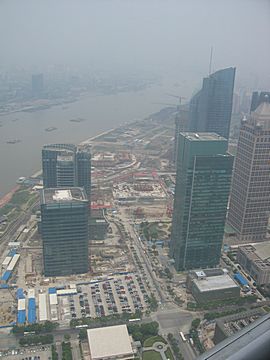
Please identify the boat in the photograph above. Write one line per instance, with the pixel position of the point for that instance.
(21, 180)
(14, 141)
(78, 120)
(51, 128)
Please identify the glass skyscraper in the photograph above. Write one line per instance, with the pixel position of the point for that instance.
(64, 229)
(203, 179)
(66, 165)
(211, 108)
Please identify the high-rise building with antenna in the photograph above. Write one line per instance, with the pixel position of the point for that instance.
(211, 108)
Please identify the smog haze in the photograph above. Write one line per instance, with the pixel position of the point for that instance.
(169, 38)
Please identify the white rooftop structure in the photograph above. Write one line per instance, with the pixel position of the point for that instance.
(21, 304)
(112, 342)
(219, 282)
(43, 314)
(31, 293)
(200, 274)
(61, 195)
(13, 262)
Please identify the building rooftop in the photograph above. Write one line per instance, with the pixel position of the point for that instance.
(252, 342)
(233, 323)
(111, 341)
(259, 253)
(60, 147)
(65, 157)
(215, 283)
(262, 250)
(61, 195)
(264, 108)
(202, 136)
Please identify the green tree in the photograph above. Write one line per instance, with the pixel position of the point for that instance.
(83, 334)
(195, 323)
(67, 337)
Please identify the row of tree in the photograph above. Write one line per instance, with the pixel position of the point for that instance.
(143, 331)
(36, 339)
(66, 351)
(175, 347)
(47, 326)
(114, 319)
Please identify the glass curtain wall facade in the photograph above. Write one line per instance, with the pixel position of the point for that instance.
(65, 165)
(201, 195)
(64, 229)
(211, 108)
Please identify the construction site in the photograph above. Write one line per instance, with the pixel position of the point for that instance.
(118, 280)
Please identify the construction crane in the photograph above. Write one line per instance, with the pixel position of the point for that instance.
(180, 98)
(161, 103)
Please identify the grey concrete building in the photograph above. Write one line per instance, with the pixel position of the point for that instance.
(250, 343)
(255, 259)
(229, 325)
(207, 286)
(249, 206)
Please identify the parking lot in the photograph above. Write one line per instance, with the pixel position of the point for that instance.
(33, 353)
(125, 293)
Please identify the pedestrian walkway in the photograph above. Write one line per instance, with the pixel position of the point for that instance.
(159, 347)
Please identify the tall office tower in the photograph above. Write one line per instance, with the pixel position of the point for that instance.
(84, 170)
(65, 165)
(181, 124)
(37, 85)
(211, 108)
(64, 229)
(202, 188)
(249, 207)
(258, 98)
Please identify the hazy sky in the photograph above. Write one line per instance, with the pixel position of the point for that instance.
(168, 37)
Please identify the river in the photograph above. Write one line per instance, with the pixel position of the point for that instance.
(101, 113)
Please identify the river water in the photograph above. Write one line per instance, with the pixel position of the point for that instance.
(101, 113)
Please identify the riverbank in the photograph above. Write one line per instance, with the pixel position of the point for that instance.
(100, 114)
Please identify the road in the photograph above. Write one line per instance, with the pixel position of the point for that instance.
(173, 320)
(76, 355)
(15, 224)
(143, 257)
(186, 349)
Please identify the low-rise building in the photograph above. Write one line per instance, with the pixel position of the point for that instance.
(212, 284)
(255, 259)
(229, 325)
(111, 342)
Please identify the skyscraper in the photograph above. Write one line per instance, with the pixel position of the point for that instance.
(201, 195)
(65, 165)
(37, 85)
(64, 229)
(181, 124)
(249, 207)
(211, 108)
(258, 98)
